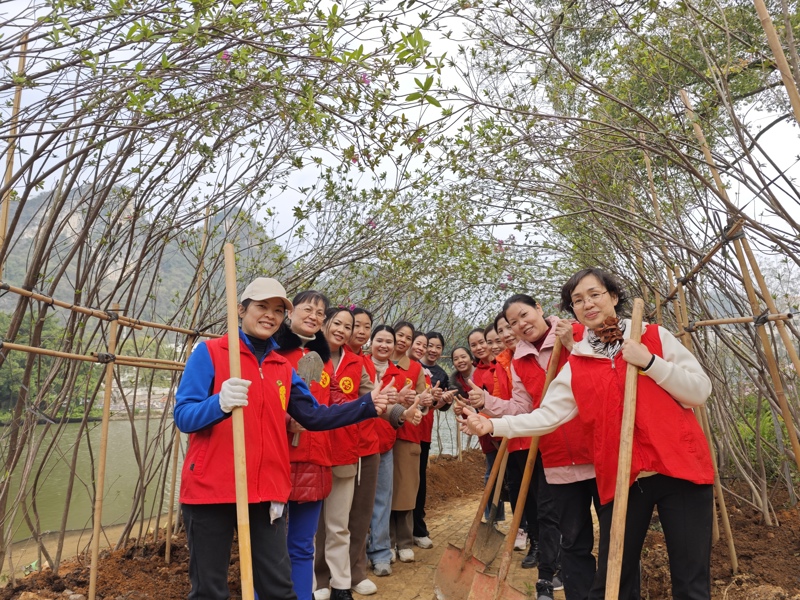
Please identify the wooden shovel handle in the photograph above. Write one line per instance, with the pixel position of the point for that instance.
(237, 416)
(487, 492)
(619, 513)
(508, 550)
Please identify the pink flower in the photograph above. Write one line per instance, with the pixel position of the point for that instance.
(365, 80)
(226, 56)
(500, 243)
(503, 286)
(372, 224)
(510, 277)
(354, 160)
(419, 140)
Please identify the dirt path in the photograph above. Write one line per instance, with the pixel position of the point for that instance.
(410, 581)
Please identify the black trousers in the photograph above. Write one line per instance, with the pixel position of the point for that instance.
(209, 529)
(540, 511)
(574, 507)
(685, 511)
(420, 528)
(513, 480)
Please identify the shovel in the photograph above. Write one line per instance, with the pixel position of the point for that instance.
(309, 369)
(453, 576)
(490, 540)
(494, 587)
(620, 510)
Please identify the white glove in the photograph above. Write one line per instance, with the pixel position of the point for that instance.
(233, 393)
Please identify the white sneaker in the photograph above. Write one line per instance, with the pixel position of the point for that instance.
(423, 542)
(323, 594)
(365, 588)
(521, 541)
(394, 556)
(406, 555)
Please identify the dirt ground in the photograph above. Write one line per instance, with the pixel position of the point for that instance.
(769, 558)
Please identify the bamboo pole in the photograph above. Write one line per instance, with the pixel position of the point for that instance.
(702, 416)
(176, 442)
(772, 364)
(780, 57)
(733, 233)
(101, 467)
(120, 360)
(12, 143)
(239, 458)
(620, 510)
(738, 320)
(765, 293)
(92, 312)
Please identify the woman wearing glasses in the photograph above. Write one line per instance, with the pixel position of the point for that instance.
(671, 466)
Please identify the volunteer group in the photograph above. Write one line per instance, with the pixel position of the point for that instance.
(336, 464)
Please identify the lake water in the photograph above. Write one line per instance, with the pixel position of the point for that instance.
(122, 473)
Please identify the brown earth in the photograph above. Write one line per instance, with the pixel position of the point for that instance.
(769, 558)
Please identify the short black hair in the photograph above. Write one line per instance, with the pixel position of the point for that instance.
(363, 311)
(611, 283)
(417, 334)
(435, 335)
(378, 328)
(488, 328)
(522, 298)
(335, 310)
(465, 349)
(400, 324)
(476, 330)
(312, 297)
(501, 315)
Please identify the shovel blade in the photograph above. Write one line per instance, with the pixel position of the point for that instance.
(488, 587)
(488, 543)
(451, 581)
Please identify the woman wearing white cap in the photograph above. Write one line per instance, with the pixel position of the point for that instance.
(268, 389)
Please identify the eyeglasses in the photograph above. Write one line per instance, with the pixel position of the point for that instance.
(594, 297)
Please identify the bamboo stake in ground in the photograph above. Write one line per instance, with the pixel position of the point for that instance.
(239, 459)
(620, 510)
(780, 58)
(101, 467)
(12, 143)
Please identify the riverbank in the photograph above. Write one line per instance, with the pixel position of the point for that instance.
(768, 557)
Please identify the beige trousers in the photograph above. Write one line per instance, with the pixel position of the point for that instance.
(333, 535)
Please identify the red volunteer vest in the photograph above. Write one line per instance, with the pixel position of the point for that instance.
(344, 388)
(368, 443)
(314, 446)
(570, 444)
(207, 476)
(409, 432)
(483, 377)
(667, 438)
(386, 433)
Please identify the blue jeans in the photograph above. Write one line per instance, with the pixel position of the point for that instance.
(501, 508)
(303, 520)
(379, 543)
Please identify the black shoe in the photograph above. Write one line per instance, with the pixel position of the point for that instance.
(531, 560)
(544, 590)
(341, 594)
(557, 583)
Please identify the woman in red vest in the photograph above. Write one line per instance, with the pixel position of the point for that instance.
(268, 389)
(309, 451)
(379, 543)
(350, 380)
(483, 378)
(407, 450)
(671, 463)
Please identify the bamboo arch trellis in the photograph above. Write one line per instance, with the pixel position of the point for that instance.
(110, 358)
